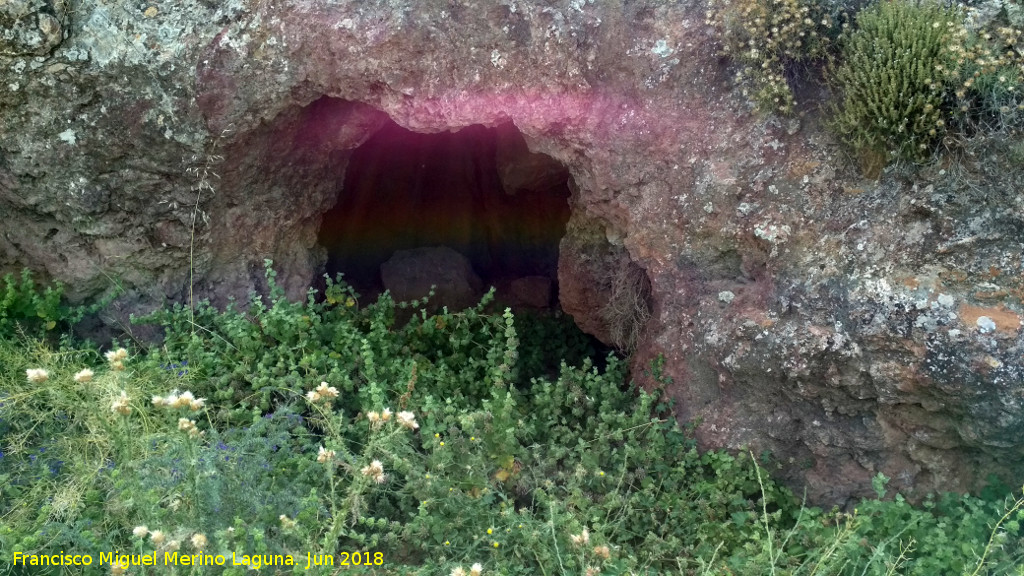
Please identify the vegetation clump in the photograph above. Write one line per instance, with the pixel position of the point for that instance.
(891, 78)
(767, 38)
(321, 429)
(915, 74)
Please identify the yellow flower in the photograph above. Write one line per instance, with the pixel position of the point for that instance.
(489, 531)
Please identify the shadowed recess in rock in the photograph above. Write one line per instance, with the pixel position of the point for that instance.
(478, 191)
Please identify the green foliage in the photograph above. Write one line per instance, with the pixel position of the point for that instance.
(766, 38)
(987, 77)
(324, 428)
(890, 78)
(23, 304)
(913, 74)
(31, 310)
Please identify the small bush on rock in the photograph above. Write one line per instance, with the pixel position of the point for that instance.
(914, 74)
(766, 38)
(890, 80)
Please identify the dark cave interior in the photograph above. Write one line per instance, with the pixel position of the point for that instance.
(478, 191)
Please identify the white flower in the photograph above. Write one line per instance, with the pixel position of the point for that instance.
(84, 376)
(157, 537)
(197, 403)
(140, 531)
(37, 375)
(327, 391)
(375, 471)
(159, 401)
(118, 355)
(407, 420)
(476, 569)
(385, 415)
(172, 545)
(582, 538)
(458, 571)
(184, 400)
(120, 404)
(313, 396)
(199, 541)
(324, 456)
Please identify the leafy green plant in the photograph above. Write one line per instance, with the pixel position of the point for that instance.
(24, 304)
(431, 447)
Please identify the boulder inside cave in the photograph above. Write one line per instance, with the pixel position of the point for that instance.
(465, 210)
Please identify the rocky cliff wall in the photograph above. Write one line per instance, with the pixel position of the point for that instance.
(849, 326)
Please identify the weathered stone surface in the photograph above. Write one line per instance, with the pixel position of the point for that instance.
(409, 275)
(871, 327)
(31, 27)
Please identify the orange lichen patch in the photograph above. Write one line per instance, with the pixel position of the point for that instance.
(910, 282)
(991, 295)
(801, 168)
(953, 275)
(1005, 320)
(993, 272)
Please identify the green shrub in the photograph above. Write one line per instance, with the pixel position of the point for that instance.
(890, 80)
(914, 74)
(767, 38)
(987, 78)
(327, 429)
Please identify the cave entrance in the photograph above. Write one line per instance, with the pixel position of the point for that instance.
(415, 208)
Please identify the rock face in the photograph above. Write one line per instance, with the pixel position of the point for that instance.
(873, 326)
(409, 275)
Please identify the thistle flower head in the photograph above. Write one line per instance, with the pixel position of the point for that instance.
(407, 420)
(581, 538)
(120, 404)
(36, 375)
(119, 355)
(199, 541)
(324, 456)
(84, 376)
(375, 471)
(476, 569)
(140, 531)
(327, 391)
(157, 537)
